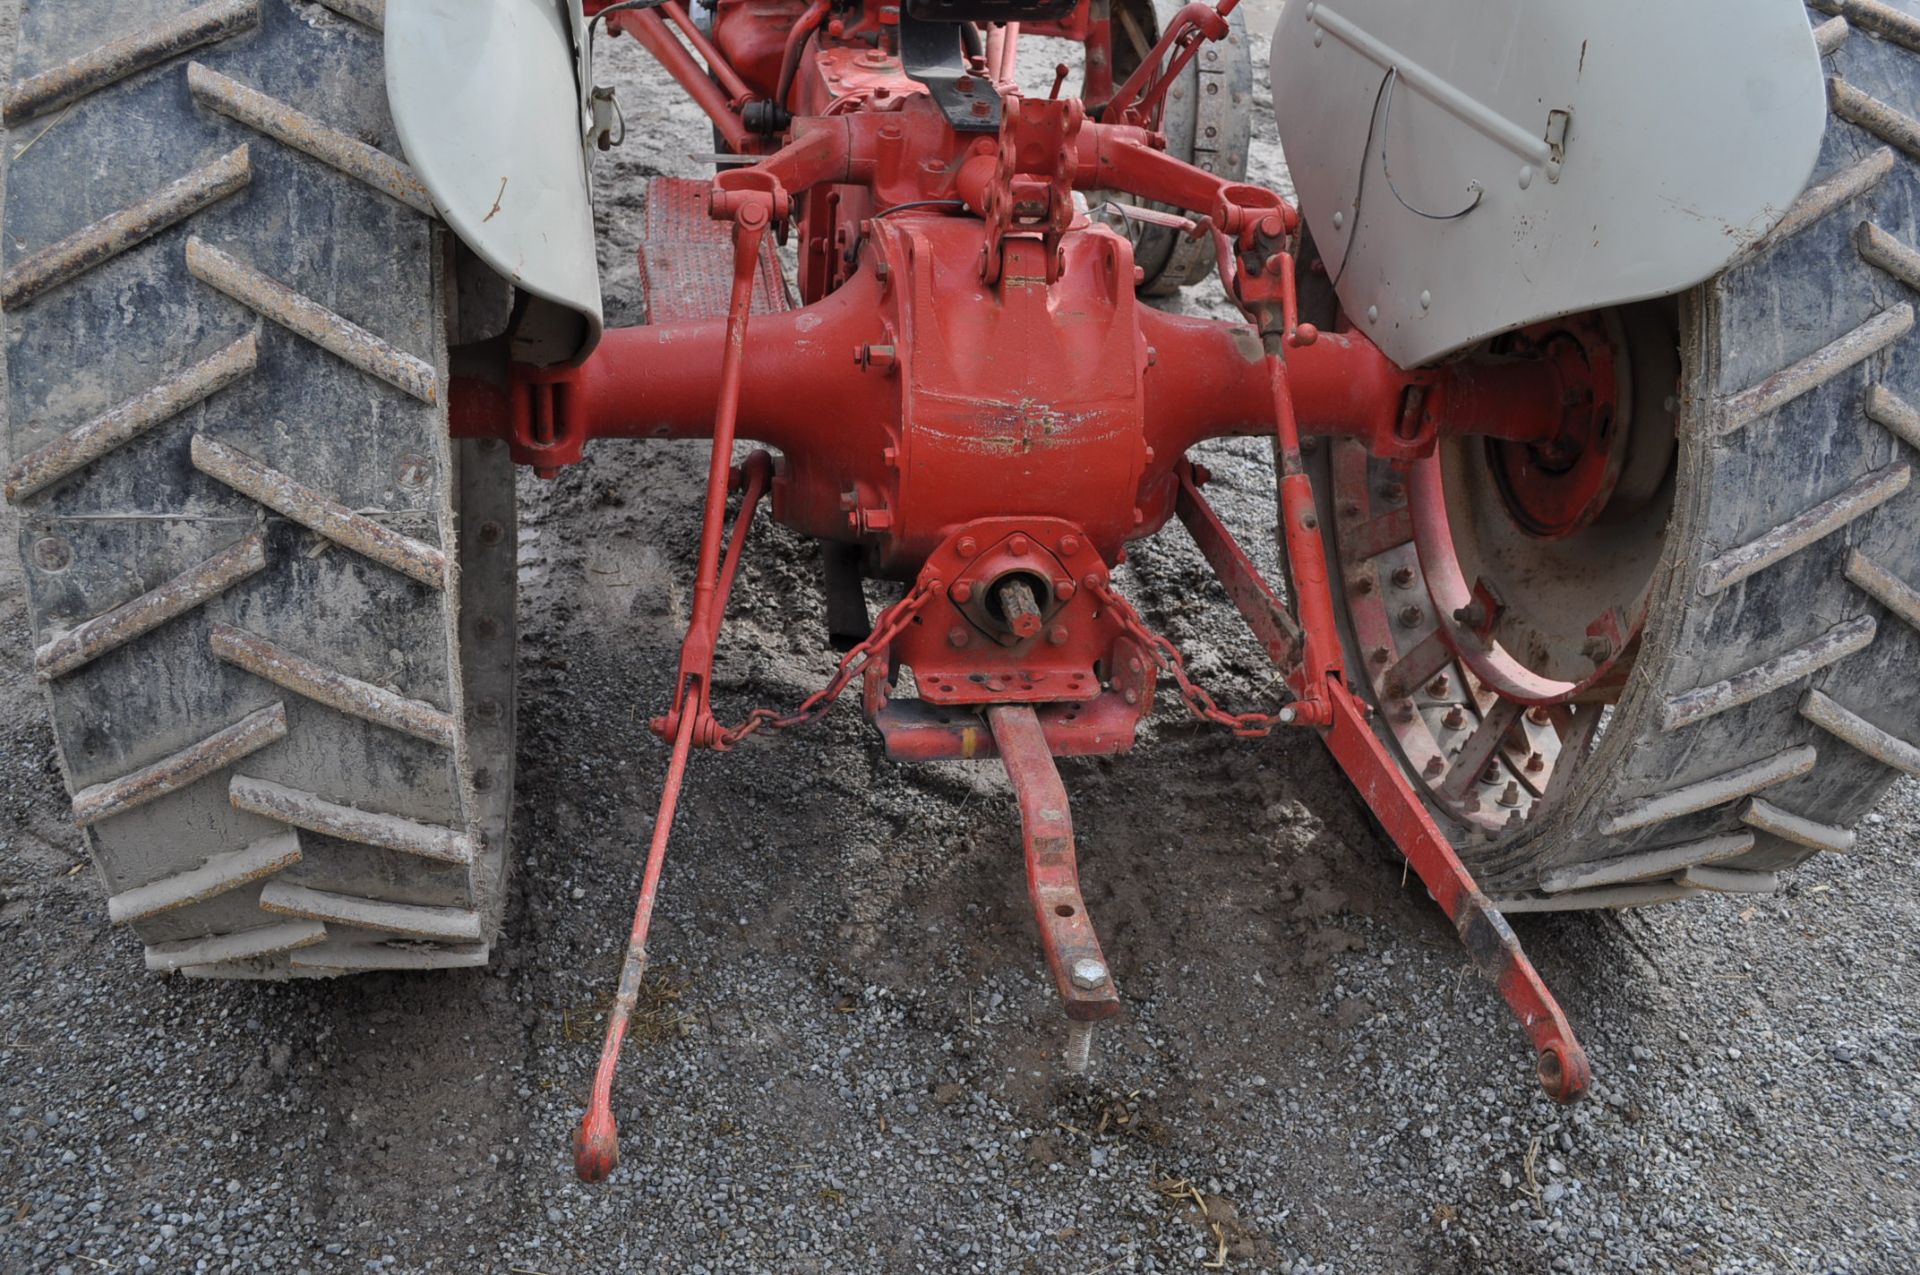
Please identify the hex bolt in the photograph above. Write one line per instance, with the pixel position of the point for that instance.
(1511, 795)
(1089, 973)
(1491, 775)
(1456, 718)
(1536, 763)
(1539, 716)
(967, 546)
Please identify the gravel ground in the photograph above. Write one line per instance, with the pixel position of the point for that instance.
(848, 1059)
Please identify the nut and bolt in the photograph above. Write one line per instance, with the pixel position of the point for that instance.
(1456, 718)
(1064, 590)
(1018, 546)
(962, 591)
(1598, 648)
(967, 546)
(1473, 615)
(1411, 616)
(1403, 577)
(1381, 655)
(1511, 795)
(1433, 768)
(1439, 686)
(1057, 635)
(1536, 763)
(1363, 585)
(1069, 545)
(956, 636)
(1539, 716)
(1089, 974)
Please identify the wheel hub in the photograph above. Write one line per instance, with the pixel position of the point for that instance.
(1554, 487)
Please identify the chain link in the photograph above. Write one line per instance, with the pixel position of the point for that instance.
(890, 624)
(1167, 658)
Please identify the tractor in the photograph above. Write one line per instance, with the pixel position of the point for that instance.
(1583, 341)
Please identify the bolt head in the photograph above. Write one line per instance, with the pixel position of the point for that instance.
(1018, 545)
(962, 591)
(968, 546)
(1089, 974)
(1288, 715)
(957, 636)
(1069, 545)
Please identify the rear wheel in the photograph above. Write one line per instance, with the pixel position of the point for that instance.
(1208, 122)
(273, 602)
(1677, 654)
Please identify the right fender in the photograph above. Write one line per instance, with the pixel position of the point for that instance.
(486, 96)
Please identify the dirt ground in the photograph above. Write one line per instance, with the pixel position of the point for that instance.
(849, 1056)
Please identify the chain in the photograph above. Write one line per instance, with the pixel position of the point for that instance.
(891, 623)
(1167, 658)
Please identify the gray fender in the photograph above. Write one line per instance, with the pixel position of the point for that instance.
(1607, 152)
(487, 97)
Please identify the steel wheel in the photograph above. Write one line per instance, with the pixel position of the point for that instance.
(1674, 654)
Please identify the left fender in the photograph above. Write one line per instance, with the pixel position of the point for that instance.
(487, 98)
